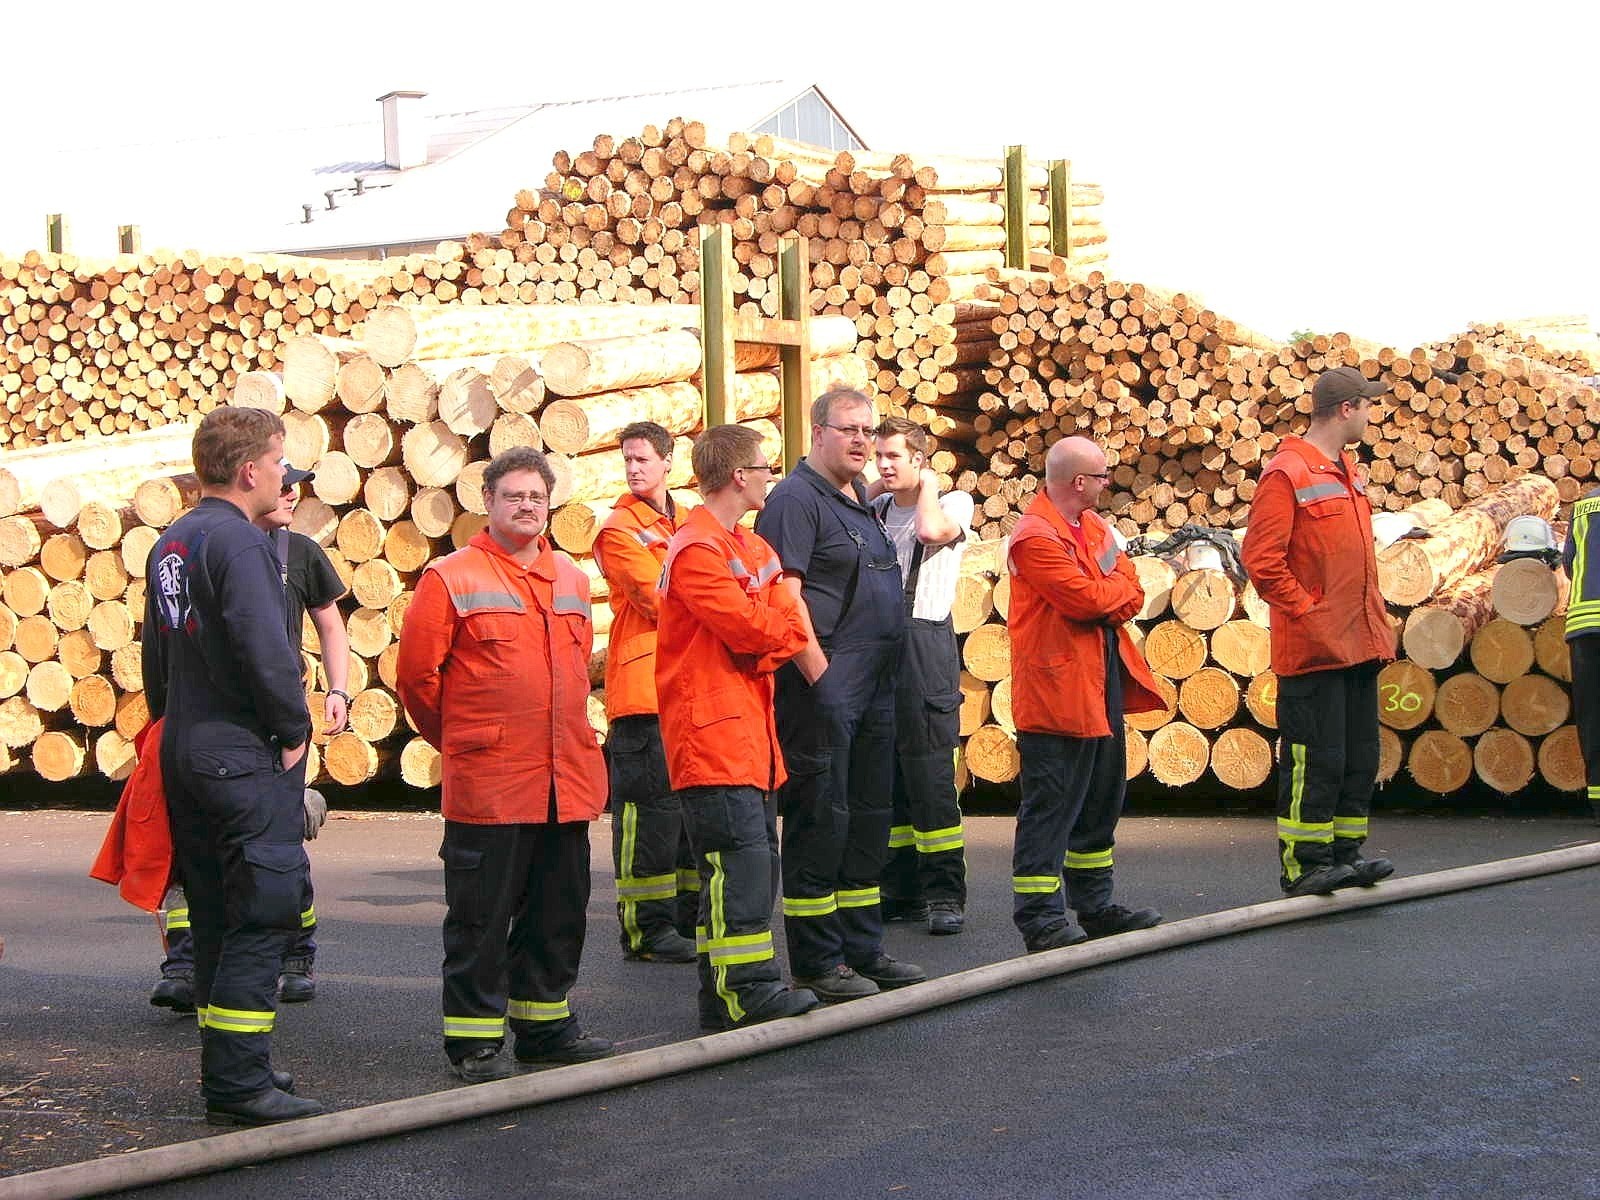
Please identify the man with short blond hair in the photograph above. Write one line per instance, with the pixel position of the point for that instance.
(835, 707)
(656, 879)
(726, 624)
(218, 667)
(494, 673)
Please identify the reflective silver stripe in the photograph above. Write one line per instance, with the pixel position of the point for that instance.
(470, 602)
(569, 602)
(648, 538)
(1108, 559)
(736, 565)
(768, 573)
(1318, 491)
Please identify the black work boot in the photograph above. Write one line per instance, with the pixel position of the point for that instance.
(666, 946)
(265, 1108)
(888, 972)
(576, 1047)
(837, 984)
(789, 1002)
(1114, 919)
(483, 1065)
(896, 910)
(295, 985)
(175, 992)
(1319, 881)
(945, 917)
(1368, 871)
(1057, 937)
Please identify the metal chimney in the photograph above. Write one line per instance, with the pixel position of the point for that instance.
(405, 140)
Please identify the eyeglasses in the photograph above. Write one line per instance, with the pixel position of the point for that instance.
(518, 499)
(767, 467)
(1102, 476)
(851, 431)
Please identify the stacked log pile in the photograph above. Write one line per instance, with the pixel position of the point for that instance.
(1567, 344)
(398, 422)
(1480, 690)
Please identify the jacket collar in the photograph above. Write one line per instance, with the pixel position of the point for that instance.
(1093, 523)
(645, 513)
(1316, 459)
(544, 566)
(804, 470)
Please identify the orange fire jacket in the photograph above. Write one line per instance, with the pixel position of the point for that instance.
(631, 549)
(1060, 609)
(1308, 550)
(725, 627)
(136, 855)
(494, 671)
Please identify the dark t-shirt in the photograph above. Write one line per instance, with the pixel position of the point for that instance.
(312, 581)
(810, 524)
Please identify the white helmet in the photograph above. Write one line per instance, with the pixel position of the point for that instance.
(1529, 534)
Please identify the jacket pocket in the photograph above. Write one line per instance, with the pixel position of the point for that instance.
(640, 645)
(711, 707)
(463, 739)
(463, 886)
(942, 714)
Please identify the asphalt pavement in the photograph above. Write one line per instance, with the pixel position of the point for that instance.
(1442, 1047)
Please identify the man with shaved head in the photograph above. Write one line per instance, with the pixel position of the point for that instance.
(1075, 673)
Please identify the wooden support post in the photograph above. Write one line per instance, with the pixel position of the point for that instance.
(1061, 207)
(128, 239)
(55, 233)
(716, 315)
(794, 275)
(1016, 178)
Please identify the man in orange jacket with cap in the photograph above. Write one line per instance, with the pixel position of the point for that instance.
(1309, 552)
(726, 626)
(1075, 672)
(494, 671)
(656, 879)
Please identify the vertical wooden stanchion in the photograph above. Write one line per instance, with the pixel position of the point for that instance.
(794, 275)
(128, 239)
(55, 233)
(1061, 208)
(1016, 208)
(716, 312)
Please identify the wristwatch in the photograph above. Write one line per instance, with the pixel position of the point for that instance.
(343, 695)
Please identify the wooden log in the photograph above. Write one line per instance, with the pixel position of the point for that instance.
(1406, 694)
(1412, 570)
(1501, 651)
(467, 404)
(1242, 647)
(1204, 599)
(93, 702)
(114, 756)
(26, 591)
(19, 541)
(1000, 705)
(374, 714)
(1535, 705)
(1156, 577)
(338, 479)
(101, 463)
(1174, 649)
(369, 441)
(58, 756)
(394, 334)
(259, 389)
(1439, 761)
(973, 603)
(360, 536)
(79, 655)
(1241, 759)
(594, 422)
(310, 366)
(1561, 760)
(1527, 592)
(1149, 722)
(1504, 760)
(349, 759)
(49, 686)
(421, 765)
(614, 364)
(386, 493)
(433, 455)
(1436, 635)
(987, 655)
(160, 501)
(1391, 753)
(975, 703)
(1552, 651)
(20, 723)
(1179, 754)
(512, 429)
(1208, 699)
(13, 673)
(991, 754)
(1466, 704)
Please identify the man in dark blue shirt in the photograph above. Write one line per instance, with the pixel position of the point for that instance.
(835, 708)
(218, 666)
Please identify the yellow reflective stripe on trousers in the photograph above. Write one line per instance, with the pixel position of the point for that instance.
(1301, 831)
(901, 836)
(739, 948)
(647, 887)
(309, 917)
(1092, 860)
(719, 933)
(474, 1027)
(1594, 793)
(810, 906)
(1297, 794)
(858, 897)
(1035, 885)
(937, 841)
(688, 879)
(1350, 827)
(177, 918)
(538, 1010)
(238, 1020)
(200, 1015)
(628, 907)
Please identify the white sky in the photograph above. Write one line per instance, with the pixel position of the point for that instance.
(1392, 169)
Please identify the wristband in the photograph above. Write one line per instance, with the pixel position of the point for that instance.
(345, 696)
